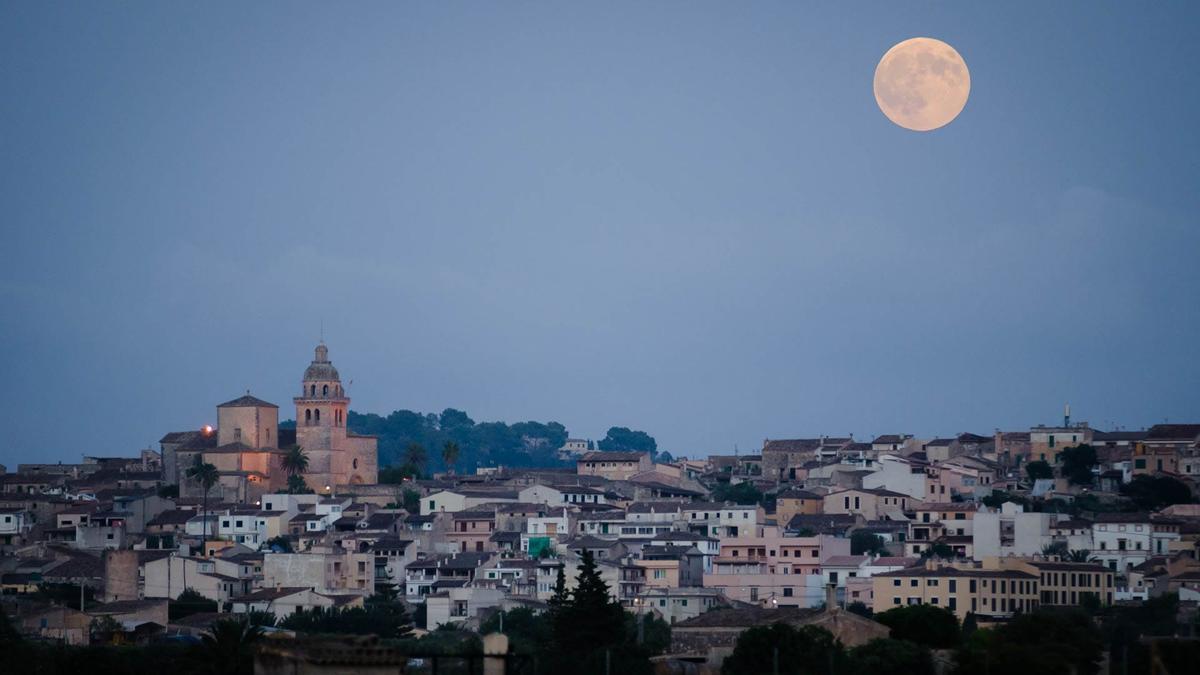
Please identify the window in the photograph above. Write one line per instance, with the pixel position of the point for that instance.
(325, 390)
(431, 505)
(895, 582)
(787, 592)
(237, 433)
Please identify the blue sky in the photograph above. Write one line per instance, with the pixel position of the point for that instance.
(689, 218)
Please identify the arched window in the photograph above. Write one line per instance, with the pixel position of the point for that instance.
(313, 391)
(355, 462)
(317, 415)
(325, 390)
(308, 415)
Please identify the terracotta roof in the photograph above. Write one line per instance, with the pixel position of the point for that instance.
(1173, 432)
(247, 401)
(613, 456)
(792, 445)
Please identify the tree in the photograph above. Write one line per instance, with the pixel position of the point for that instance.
(742, 493)
(415, 455)
(386, 619)
(1044, 642)
(927, 625)
(395, 475)
(970, 624)
(591, 621)
(206, 475)
(561, 596)
(860, 608)
(808, 650)
(188, 603)
(1079, 555)
(169, 491)
(1056, 548)
(938, 550)
(295, 461)
(256, 617)
(450, 452)
(627, 440)
(1152, 493)
(866, 543)
(297, 486)
(229, 646)
(883, 656)
(1039, 470)
(282, 543)
(1077, 463)
(412, 500)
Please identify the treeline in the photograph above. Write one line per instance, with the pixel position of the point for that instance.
(405, 436)
(1046, 641)
(478, 443)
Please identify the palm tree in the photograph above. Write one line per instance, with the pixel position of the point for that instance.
(295, 462)
(450, 455)
(1080, 555)
(229, 644)
(297, 486)
(415, 455)
(206, 475)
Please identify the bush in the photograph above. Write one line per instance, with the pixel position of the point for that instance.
(926, 625)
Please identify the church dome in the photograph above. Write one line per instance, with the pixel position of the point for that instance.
(321, 369)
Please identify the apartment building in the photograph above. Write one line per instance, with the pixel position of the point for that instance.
(989, 594)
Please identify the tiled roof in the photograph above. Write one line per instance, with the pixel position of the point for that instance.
(1173, 432)
(247, 401)
(613, 456)
(792, 445)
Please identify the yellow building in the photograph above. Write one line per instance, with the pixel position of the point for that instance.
(989, 594)
(794, 502)
(1063, 583)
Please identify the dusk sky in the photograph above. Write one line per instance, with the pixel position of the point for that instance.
(688, 218)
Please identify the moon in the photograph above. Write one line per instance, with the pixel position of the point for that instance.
(922, 84)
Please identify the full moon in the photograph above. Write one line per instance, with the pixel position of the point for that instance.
(922, 84)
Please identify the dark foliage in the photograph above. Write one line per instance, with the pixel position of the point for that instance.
(866, 543)
(927, 625)
(891, 657)
(1045, 642)
(377, 617)
(1151, 493)
(479, 444)
(807, 650)
(742, 493)
(625, 439)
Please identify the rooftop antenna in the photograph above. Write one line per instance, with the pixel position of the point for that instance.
(1067, 415)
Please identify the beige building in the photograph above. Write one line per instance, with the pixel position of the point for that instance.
(1063, 583)
(989, 594)
(247, 446)
(872, 504)
(795, 501)
(613, 465)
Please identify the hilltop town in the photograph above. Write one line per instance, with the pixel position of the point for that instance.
(252, 517)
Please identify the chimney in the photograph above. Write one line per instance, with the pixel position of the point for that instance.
(831, 602)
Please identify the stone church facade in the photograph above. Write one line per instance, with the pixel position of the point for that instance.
(247, 446)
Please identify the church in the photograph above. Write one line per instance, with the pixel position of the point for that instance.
(248, 446)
